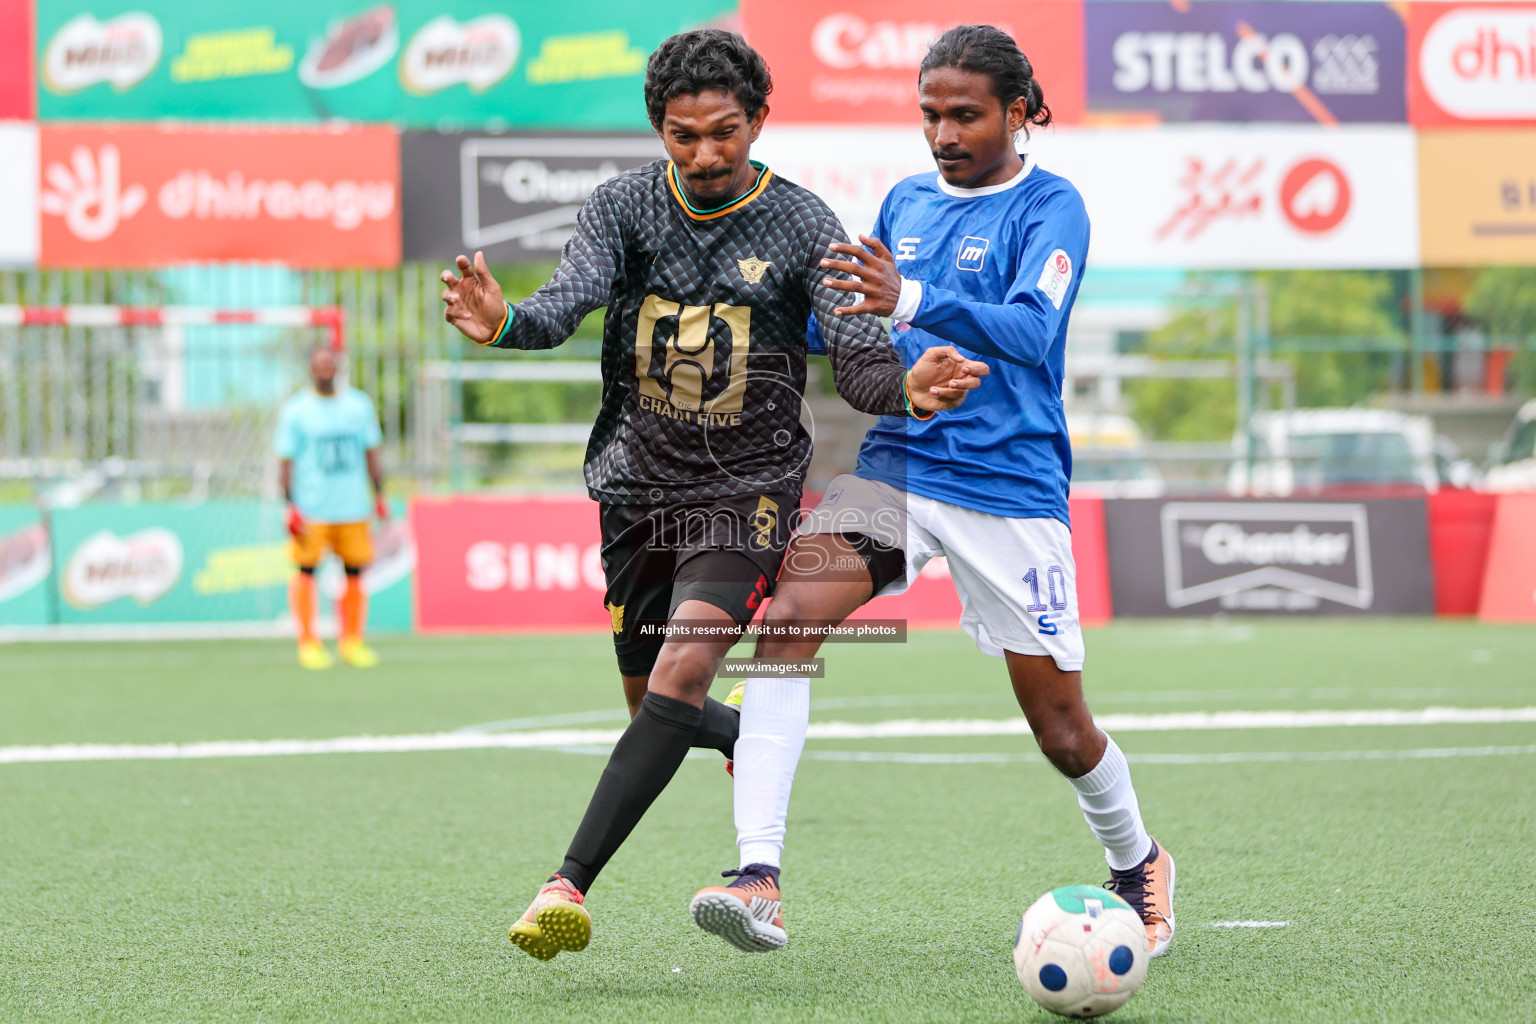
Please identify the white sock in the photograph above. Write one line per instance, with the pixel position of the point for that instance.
(1109, 804)
(775, 714)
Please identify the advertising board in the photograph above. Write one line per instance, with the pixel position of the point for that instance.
(1472, 64)
(1477, 197)
(19, 187)
(143, 195)
(423, 63)
(856, 61)
(515, 196)
(1365, 557)
(1247, 61)
(1262, 197)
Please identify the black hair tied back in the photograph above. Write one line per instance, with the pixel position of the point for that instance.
(985, 50)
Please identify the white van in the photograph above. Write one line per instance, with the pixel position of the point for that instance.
(1316, 450)
(1513, 466)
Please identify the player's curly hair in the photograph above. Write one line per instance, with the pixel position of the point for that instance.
(707, 58)
(990, 51)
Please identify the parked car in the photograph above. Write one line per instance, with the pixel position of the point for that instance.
(1109, 457)
(1315, 450)
(1512, 462)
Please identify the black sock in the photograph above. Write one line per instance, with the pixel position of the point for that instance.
(721, 726)
(642, 763)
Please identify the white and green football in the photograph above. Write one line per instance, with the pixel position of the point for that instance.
(1081, 951)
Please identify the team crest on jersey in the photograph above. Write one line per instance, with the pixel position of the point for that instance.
(616, 613)
(752, 269)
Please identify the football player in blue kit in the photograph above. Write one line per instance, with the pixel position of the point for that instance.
(986, 255)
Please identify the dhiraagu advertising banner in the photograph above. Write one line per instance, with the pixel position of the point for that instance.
(216, 561)
(422, 63)
(25, 564)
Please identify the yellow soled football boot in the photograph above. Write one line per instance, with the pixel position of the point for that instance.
(314, 656)
(555, 920)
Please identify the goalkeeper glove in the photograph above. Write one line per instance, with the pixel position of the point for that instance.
(381, 508)
(295, 521)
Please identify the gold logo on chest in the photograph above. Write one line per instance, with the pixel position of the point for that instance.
(752, 269)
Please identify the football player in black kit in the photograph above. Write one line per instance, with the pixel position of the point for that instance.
(710, 267)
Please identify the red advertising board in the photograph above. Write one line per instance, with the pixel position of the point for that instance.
(533, 564)
(856, 61)
(1471, 64)
(16, 61)
(140, 195)
(1509, 584)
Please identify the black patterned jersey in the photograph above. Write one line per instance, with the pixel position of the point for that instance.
(704, 341)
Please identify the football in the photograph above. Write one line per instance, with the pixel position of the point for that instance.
(1081, 951)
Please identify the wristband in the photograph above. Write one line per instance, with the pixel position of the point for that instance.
(501, 328)
(906, 394)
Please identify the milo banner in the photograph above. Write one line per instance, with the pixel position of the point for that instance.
(218, 561)
(515, 196)
(25, 565)
(1368, 557)
(428, 63)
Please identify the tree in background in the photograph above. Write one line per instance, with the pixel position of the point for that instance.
(1503, 300)
(1309, 312)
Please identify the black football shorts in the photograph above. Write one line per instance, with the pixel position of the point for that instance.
(725, 552)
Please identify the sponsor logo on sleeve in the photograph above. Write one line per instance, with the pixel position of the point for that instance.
(906, 249)
(84, 52)
(444, 52)
(1056, 276)
(352, 49)
(105, 567)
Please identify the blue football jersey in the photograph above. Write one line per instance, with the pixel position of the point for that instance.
(1000, 268)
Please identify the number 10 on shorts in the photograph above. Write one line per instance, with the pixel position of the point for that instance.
(1056, 590)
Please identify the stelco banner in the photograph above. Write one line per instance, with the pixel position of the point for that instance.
(1472, 64)
(1178, 196)
(421, 62)
(856, 61)
(515, 196)
(1285, 557)
(1265, 61)
(154, 194)
(1477, 197)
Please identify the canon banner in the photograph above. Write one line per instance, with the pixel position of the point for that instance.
(1265, 61)
(515, 196)
(856, 61)
(420, 62)
(1178, 196)
(1477, 197)
(1472, 64)
(154, 194)
(18, 194)
(1368, 557)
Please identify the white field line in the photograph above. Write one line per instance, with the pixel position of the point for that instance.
(1256, 757)
(1250, 924)
(900, 729)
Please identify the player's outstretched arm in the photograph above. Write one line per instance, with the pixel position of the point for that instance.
(583, 282)
(473, 301)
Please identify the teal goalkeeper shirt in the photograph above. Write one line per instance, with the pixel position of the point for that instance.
(328, 438)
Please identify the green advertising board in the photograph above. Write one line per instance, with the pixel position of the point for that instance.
(216, 561)
(26, 564)
(419, 63)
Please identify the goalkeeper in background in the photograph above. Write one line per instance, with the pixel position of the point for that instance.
(328, 442)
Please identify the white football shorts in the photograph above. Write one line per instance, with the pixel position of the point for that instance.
(1015, 577)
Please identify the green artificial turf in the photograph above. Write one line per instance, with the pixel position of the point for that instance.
(378, 887)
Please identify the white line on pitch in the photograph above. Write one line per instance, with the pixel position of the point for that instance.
(900, 729)
(1250, 924)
